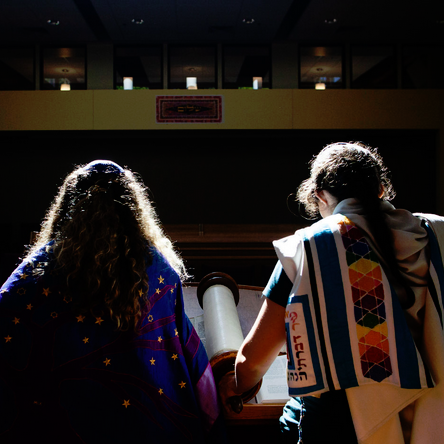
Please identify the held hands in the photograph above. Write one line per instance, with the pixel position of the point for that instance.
(231, 399)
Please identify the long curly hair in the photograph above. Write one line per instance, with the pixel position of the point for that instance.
(102, 223)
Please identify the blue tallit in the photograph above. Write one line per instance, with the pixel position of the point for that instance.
(68, 376)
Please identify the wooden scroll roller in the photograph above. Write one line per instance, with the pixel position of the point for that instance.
(218, 295)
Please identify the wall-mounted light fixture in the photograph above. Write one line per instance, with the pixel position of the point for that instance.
(127, 83)
(65, 87)
(191, 82)
(257, 82)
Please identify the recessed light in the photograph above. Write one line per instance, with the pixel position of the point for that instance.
(53, 22)
(137, 21)
(248, 21)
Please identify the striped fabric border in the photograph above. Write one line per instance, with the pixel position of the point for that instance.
(335, 306)
(407, 355)
(437, 292)
(303, 365)
(360, 332)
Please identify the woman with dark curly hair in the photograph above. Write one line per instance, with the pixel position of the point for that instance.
(96, 346)
(358, 299)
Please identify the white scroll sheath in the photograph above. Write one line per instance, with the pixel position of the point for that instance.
(222, 327)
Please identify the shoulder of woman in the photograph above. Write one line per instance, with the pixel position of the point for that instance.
(159, 265)
(436, 222)
(433, 218)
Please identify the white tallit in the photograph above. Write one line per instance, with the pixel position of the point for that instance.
(392, 415)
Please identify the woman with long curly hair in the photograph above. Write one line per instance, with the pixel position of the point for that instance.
(97, 346)
(358, 299)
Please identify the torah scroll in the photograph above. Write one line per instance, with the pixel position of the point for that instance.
(218, 295)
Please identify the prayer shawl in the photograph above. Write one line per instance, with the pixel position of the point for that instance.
(346, 328)
(70, 377)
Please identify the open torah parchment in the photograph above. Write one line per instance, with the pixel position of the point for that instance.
(274, 387)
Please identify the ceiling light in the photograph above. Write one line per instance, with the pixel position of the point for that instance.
(330, 21)
(53, 22)
(137, 22)
(248, 21)
(320, 51)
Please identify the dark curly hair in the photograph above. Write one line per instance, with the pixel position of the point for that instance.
(346, 170)
(101, 223)
(354, 170)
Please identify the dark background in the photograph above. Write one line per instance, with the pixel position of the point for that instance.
(198, 177)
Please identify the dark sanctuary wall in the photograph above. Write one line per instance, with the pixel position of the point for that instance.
(197, 177)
